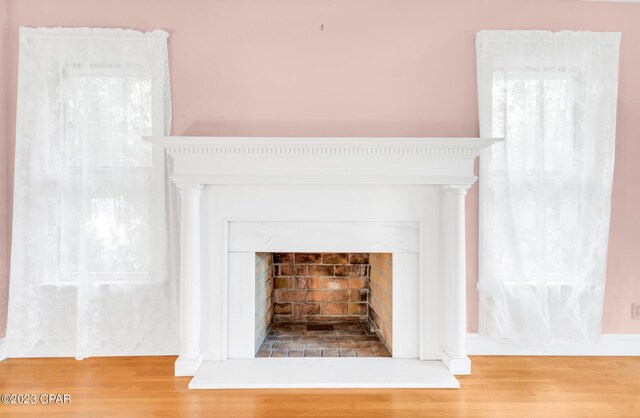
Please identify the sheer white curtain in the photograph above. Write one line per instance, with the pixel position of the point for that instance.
(545, 193)
(89, 271)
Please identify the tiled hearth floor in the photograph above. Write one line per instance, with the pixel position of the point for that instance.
(352, 339)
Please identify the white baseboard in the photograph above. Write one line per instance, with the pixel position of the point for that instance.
(65, 348)
(609, 345)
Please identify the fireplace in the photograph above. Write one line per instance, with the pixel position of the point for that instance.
(242, 198)
(323, 305)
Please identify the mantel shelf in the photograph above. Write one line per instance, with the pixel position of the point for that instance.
(269, 160)
(328, 147)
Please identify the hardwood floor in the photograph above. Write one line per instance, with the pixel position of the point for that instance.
(499, 386)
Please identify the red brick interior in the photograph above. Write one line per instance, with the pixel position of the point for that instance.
(380, 288)
(320, 286)
(350, 291)
(264, 295)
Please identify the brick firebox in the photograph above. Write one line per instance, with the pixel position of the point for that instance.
(309, 288)
(320, 287)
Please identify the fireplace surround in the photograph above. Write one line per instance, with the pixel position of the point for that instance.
(242, 196)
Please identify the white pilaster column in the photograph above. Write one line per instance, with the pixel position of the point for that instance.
(190, 356)
(455, 354)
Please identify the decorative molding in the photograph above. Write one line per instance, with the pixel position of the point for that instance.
(326, 147)
(466, 181)
(609, 345)
(415, 161)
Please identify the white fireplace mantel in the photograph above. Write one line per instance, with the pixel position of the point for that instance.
(220, 160)
(245, 195)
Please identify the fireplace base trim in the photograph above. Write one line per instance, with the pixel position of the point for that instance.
(188, 366)
(459, 366)
(315, 373)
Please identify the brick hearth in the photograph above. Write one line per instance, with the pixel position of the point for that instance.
(345, 339)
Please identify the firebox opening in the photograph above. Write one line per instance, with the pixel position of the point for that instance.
(323, 305)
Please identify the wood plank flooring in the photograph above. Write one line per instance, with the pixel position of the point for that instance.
(499, 387)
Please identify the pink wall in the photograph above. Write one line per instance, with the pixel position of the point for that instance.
(361, 68)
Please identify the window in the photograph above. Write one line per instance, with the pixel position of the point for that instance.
(89, 271)
(109, 159)
(545, 191)
(536, 112)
